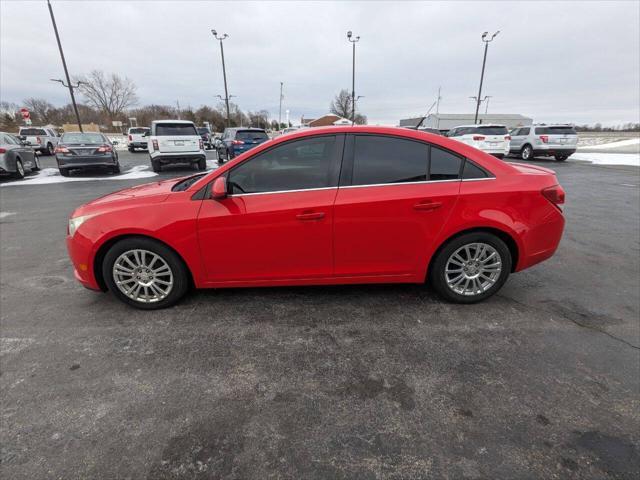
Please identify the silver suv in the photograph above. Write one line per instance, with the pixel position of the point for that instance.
(559, 141)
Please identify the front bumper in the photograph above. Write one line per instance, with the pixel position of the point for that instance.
(80, 252)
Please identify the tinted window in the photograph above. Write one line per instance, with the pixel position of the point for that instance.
(444, 165)
(251, 135)
(470, 170)
(555, 131)
(202, 130)
(8, 140)
(491, 130)
(82, 138)
(524, 131)
(297, 165)
(32, 131)
(388, 160)
(138, 130)
(178, 129)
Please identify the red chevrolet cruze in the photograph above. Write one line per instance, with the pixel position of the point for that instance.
(332, 205)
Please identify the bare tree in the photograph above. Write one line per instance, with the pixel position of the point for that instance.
(109, 93)
(44, 112)
(342, 106)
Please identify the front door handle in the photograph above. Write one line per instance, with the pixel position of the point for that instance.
(310, 216)
(427, 206)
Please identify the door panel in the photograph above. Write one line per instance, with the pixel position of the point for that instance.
(389, 229)
(267, 236)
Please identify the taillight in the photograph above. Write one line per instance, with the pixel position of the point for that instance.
(38, 140)
(554, 194)
(3, 150)
(155, 144)
(130, 138)
(238, 142)
(544, 138)
(61, 150)
(478, 138)
(104, 149)
(201, 145)
(507, 137)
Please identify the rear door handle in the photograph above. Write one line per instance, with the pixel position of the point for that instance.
(310, 216)
(427, 205)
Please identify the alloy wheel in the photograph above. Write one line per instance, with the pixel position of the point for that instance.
(473, 269)
(20, 168)
(143, 276)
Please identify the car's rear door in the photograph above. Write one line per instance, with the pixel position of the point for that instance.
(177, 137)
(395, 196)
(276, 223)
(560, 136)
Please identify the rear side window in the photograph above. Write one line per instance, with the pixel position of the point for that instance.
(297, 165)
(251, 135)
(175, 129)
(491, 130)
(33, 131)
(555, 131)
(379, 160)
(471, 171)
(444, 165)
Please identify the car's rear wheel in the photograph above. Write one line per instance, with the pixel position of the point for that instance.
(526, 153)
(202, 164)
(36, 164)
(220, 158)
(145, 273)
(50, 149)
(64, 172)
(155, 166)
(19, 173)
(561, 157)
(470, 268)
(115, 168)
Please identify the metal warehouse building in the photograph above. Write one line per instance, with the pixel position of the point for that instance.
(446, 121)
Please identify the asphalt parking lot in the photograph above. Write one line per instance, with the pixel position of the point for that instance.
(541, 381)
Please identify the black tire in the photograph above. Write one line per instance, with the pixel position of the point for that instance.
(50, 149)
(116, 168)
(527, 152)
(36, 164)
(131, 149)
(175, 263)
(219, 155)
(561, 158)
(437, 277)
(155, 166)
(64, 172)
(202, 164)
(19, 173)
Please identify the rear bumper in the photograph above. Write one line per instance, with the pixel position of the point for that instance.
(178, 158)
(85, 162)
(553, 150)
(541, 241)
(137, 145)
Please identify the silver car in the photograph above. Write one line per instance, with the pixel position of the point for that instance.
(559, 141)
(16, 156)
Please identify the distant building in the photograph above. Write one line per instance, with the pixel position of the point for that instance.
(445, 121)
(325, 120)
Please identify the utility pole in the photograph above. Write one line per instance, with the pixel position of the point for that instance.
(280, 109)
(224, 73)
(64, 65)
(438, 108)
(178, 109)
(353, 77)
(486, 104)
(484, 61)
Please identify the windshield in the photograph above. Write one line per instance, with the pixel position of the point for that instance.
(32, 131)
(556, 131)
(187, 182)
(251, 135)
(138, 130)
(492, 130)
(82, 138)
(202, 130)
(177, 129)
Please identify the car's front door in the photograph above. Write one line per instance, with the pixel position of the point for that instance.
(395, 196)
(276, 223)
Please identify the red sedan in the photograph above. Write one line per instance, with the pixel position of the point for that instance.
(337, 205)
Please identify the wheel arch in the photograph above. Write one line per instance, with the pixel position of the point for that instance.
(104, 248)
(501, 234)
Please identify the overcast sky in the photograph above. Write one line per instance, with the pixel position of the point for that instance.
(563, 62)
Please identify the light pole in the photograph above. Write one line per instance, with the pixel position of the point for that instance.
(486, 105)
(224, 73)
(71, 88)
(353, 77)
(280, 109)
(64, 65)
(484, 61)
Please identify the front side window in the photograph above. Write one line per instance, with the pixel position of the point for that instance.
(175, 129)
(444, 165)
(298, 165)
(379, 160)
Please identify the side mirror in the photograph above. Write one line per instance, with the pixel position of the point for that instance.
(219, 188)
(115, 142)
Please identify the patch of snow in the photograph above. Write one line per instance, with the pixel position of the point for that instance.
(52, 175)
(632, 159)
(6, 214)
(622, 143)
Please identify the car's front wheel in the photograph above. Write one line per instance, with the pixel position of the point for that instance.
(526, 153)
(145, 273)
(50, 149)
(19, 173)
(470, 268)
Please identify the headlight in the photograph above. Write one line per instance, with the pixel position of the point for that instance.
(74, 223)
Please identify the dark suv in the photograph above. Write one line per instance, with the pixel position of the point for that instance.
(238, 140)
(206, 136)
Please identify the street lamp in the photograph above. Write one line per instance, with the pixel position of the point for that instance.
(484, 61)
(64, 65)
(353, 77)
(224, 72)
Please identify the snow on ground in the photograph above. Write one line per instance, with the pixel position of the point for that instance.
(611, 145)
(52, 175)
(6, 214)
(608, 158)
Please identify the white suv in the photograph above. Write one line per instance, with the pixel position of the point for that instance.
(175, 141)
(136, 138)
(42, 139)
(493, 139)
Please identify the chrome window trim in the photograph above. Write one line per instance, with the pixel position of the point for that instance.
(282, 191)
(401, 183)
(478, 179)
